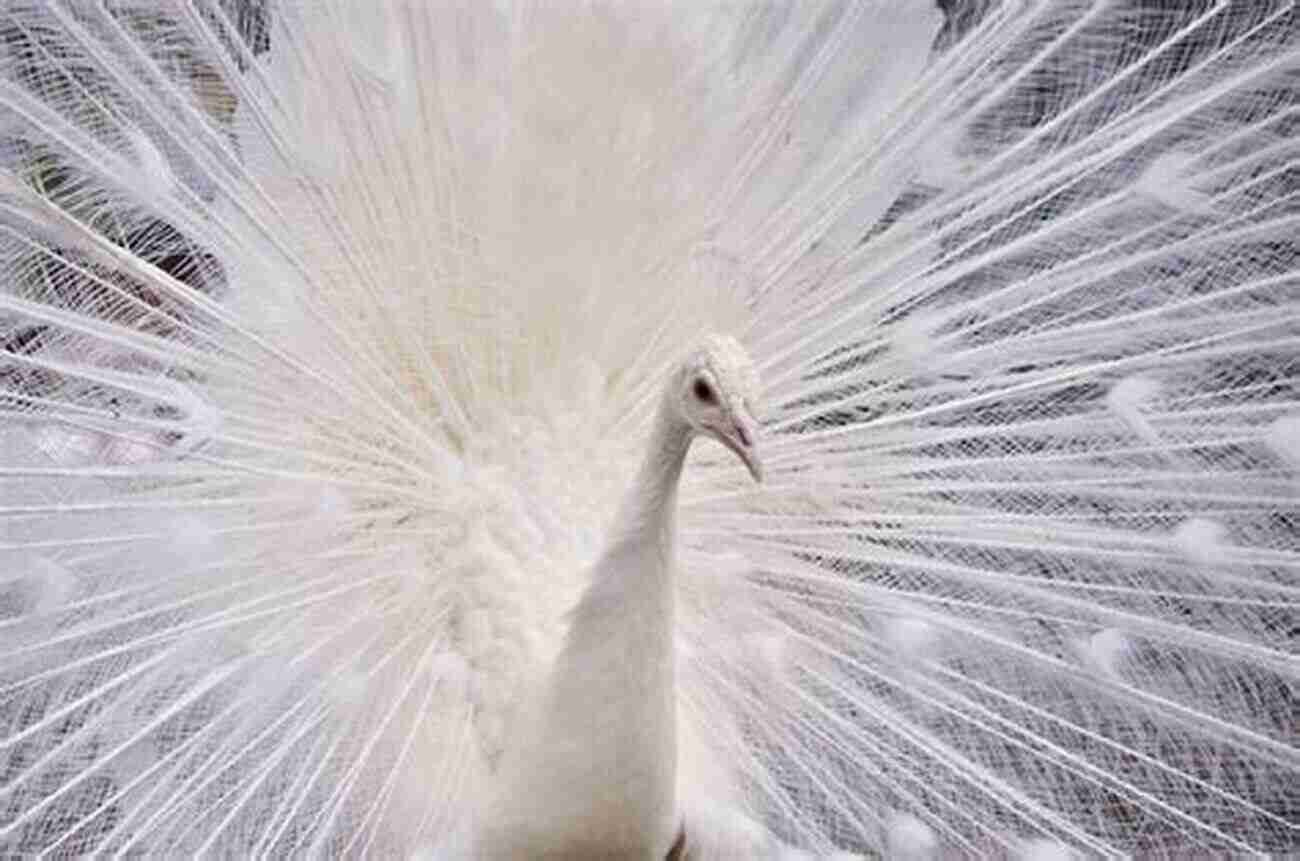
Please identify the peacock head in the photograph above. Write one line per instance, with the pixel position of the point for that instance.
(718, 395)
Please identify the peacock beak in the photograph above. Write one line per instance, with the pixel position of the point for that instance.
(743, 440)
(750, 457)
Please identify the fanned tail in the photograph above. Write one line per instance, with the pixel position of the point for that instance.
(329, 338)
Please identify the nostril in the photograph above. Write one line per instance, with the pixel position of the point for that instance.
(745, 439)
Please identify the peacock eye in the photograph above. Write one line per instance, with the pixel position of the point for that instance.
(704, 392)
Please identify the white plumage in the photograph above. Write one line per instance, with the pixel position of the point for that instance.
(592, 768)
(348, 365)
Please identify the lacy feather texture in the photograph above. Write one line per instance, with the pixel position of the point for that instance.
(367, 455)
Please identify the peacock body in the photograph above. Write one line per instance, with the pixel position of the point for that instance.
(341, 512)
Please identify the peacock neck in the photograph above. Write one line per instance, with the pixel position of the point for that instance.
(606, 733)
(649, 511)
(622, 638)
